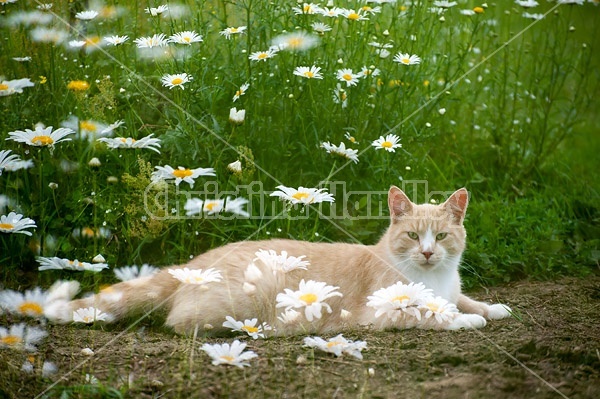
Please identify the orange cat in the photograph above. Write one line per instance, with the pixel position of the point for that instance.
(303, 287)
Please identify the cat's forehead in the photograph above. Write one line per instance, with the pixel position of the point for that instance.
(428, 216)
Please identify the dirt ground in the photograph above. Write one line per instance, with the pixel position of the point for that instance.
(551, 349)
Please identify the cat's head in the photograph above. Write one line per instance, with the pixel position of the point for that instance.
(426, 236)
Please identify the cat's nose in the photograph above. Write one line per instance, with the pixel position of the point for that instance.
(427, 254)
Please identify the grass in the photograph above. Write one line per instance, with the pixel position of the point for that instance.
(500, 105)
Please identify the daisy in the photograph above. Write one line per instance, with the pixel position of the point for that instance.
(533, 16)
(241, 91)
(31, 303)
(310, 296)
(340, 96)
(444, 4)
(369, 71)
(399, 299)
(8, 87)
(237, 116)
(302, 195)
(6, 160)
(389, 143)
(128, 142)
(21, 337)
(232, 355)
(307, 9)
(155, 11)
(89, 315)
(55, 263)
(370, 10)
(407, 59)
(332, 12)
(235, 167)
(90, 232)
(280, 263)
(527, 3)
(127, 273)
(90, 43)
(467, 12)
(341, 150)
(263, 55)
(86, 15)
(320, 27)
(186, 37)
(228, 32)
(157, 40)
(176, 80)
(290, 316)
(196, 206)
(308, 72)
(354, 15)
(18, 165)
(180, 174)
(295, 41)
(439, 308)
(116, 40)
(337, 345)
(48, 35)
(22, 59)
(248, 326)
(346, 75)
(44, 6)
(15, 223)
(196, 276)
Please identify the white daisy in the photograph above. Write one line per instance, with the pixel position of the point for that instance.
(337, 345)
(21, 337)
(148, 142)
(399, 299)
(332, 12)
(369, 71)
(302, 195)
(248, 326)
(176, 80)
(180, 174)
(308, 72)
(196, 276)
(116, 40)
(407, 59)
(86, 15)
(90, 232)
(467, 12)
(232, 355)
(340, 96)
(237, 116)
(6, 160)
(90, 129)
(341, 150)
(22, 59)
(263, 55)
(527, 3)
(196, 206)
(228, 32)
(307, 9)
(439, 308)
(18, 165)
(89, 315)
(353, 15)
(157, 40)
(310, 296)
(15, 223)
(281, 263)
(347, 76)
(155, 11)
(127, 273)
(55, 263)
(48, 35)
(235, 167)
(241, 91)
(295, 41)
(41, 136)
(320, 27)
(388, 143)
(290, 316)
(186, 37)
(30, 303)
(444, 4)
(8, 87)
(533, 16)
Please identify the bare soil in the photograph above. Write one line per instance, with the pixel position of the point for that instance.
(551, 349)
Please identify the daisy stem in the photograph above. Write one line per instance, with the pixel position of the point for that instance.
(42, 222)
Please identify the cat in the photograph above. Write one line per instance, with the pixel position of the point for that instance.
(423, 244)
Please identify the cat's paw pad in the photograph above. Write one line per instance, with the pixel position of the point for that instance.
(498, 311)
(467, 321)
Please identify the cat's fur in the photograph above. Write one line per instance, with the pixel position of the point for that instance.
(358, 271)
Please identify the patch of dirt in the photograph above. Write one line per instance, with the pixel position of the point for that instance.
(551, 349)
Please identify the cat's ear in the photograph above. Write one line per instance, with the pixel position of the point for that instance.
(398, 203)
(456, 205)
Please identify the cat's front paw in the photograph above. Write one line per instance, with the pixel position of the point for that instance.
(467, 321)
(498, 311)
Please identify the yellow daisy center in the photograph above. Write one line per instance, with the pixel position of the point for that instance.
(88, 232)
(11, 340)
(250, 329)
(87, 125)
(262, 56)
(182, 173)
(239, 93)
(387, 144)
(366, 8)
(210, 205)
(233, 30)
(177, 81)
(333, 343)
(227, 358)
(187, 39)
(353, 16)
(31, 307)
(347, 76)
(6, 226)
(309, 74)
(309, 298)
(3, 86)
(295, 42)
(433, 307)
(92, 40)
(406, 60)
(88, 319)
(401, 298)
(42, 140)
(299, 196)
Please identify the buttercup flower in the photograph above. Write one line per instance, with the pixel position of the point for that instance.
(337, 345)
(310, 296)
(248, 326)
(398, 299)
(186, 37)
(388, 143)
(89, 315)
(8, 87)
(21, 337)
(180, 174)
(346, 75)
(232, 355)
(127, 273)
(148, 142)
(308, 72)
(176, 80)
(196, 276)
(228, 32)
(281, 263)
(55, 263)
(341, 150)
(78, 85)
(302, 195)
(407, 59)
(241, 91)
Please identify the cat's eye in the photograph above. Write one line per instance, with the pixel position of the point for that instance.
(441, 236)
(413, 235)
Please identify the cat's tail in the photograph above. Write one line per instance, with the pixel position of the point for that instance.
(139, 295)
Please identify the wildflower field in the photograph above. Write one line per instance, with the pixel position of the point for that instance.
(138, 134)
